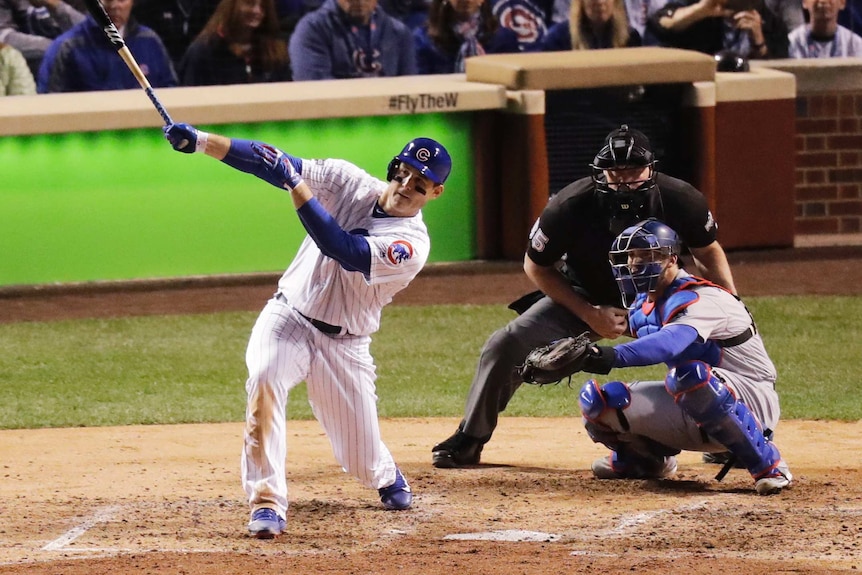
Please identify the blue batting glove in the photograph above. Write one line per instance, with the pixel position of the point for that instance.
(185, 138)
(278, 164)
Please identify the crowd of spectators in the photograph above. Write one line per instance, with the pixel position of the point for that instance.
(54, 46)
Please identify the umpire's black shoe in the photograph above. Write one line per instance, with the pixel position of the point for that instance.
(457, 451)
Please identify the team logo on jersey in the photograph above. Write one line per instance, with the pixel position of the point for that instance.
(399, 251)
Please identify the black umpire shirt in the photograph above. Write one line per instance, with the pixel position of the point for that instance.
(575, 228)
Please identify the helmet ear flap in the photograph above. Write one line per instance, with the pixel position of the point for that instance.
(394, 164)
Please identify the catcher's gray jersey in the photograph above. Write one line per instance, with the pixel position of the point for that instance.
(746, 368)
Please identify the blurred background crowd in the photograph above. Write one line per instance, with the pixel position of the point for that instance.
(54, 46)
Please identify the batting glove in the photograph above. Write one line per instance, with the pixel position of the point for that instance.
(185, 138)
(279, 166)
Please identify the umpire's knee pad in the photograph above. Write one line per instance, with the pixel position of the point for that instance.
(594, 400)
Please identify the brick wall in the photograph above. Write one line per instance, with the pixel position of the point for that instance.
(829, 163)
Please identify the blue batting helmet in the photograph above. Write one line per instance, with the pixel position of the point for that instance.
(426, 155)
(654, 242)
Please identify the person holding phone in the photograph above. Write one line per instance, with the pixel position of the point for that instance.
(747, 27)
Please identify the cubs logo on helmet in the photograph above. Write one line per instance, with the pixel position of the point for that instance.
(399, 251)
(426, 155)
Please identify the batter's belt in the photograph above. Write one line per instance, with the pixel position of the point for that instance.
(326, 328)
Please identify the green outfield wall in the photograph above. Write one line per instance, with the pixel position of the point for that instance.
(121, 204)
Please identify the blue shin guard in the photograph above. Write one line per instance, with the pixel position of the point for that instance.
(719, 413)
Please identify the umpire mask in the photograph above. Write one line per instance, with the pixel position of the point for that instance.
(624, 201)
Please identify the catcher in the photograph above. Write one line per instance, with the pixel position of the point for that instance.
(719, 393)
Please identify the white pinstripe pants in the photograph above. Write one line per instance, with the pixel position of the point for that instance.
(285, 349)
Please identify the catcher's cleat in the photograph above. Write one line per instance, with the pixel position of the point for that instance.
(778, 478)
(614, 467)
(397, 496)
(457, 451)
(266, 523)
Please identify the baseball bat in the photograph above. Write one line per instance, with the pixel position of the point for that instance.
(104, 21)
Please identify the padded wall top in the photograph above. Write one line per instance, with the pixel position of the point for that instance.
(591, 68)
(240, 103)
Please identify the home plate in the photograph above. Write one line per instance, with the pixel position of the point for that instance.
(505, 535)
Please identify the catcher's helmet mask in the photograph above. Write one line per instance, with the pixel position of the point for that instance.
(624, 149)
(639, 255)
(426, 155)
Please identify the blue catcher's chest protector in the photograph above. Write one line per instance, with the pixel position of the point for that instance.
(649, 317)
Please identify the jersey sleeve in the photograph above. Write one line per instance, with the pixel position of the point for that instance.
(328, 178)
(687, 212)
(711, 315)
(547, 240)
(396, 258)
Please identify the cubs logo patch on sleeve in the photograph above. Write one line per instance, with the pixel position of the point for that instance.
(399, 251)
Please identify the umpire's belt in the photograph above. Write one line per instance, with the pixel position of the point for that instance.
(326, 328)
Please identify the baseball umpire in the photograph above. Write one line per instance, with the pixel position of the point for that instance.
(366, 241)
(567, 260)
(720, 390)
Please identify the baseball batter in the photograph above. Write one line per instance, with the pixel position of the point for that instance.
(720, 391)
(366, 241)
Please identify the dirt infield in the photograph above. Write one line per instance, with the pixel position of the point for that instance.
(166, 499)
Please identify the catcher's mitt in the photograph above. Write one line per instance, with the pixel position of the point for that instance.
(563, 358)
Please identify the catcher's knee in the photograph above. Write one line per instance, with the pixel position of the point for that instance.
(696, 390)
(595, 400)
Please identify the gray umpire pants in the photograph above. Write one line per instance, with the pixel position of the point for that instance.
(496, 378)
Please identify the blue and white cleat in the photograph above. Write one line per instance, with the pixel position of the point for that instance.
(397, 496)
(266, 523)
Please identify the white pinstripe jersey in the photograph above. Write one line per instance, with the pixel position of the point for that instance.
(318, 287)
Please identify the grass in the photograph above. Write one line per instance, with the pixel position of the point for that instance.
(177, 369)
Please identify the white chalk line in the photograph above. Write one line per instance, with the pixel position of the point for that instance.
(627, 522)
(103, 515)
(630, 521)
